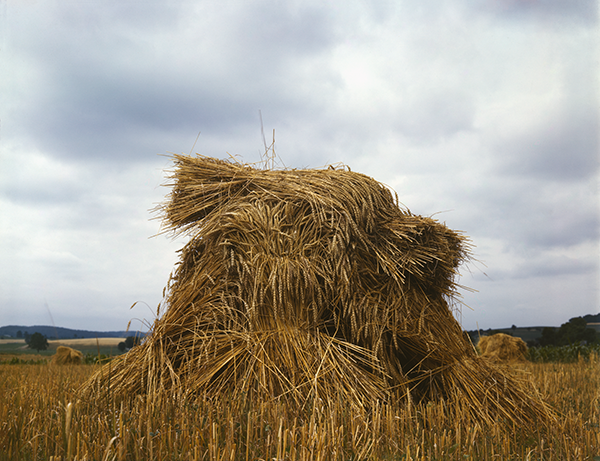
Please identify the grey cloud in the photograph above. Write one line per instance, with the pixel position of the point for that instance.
(563, 225)
(154, 16)
(37, 189)
(30, 179)
(551, 224)
(564, 147)
(552, 266)
(531, 301)
(40, 194)
(284, 29)
(116, 121)
(98, 110)
(551, 12)
(434, 116)
(61, 263)
(544, 265)
(119, 95)
(528, 212)
(104, 89)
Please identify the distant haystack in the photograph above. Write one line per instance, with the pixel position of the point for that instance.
(503, 348)
(67, 356)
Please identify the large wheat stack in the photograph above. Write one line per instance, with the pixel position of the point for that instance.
(502, 347)
(67, 356)
(310, 284)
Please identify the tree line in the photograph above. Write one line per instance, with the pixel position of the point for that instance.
(571, 332)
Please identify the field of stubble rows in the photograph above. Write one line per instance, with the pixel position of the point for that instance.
(42, 417)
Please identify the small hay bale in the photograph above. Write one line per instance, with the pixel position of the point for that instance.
(503, 348)
(67, 356)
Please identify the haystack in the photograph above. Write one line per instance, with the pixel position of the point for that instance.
(309, 284)
(503, 348)
(67, 356)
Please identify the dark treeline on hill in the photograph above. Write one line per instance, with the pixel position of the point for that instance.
(50, 332)
(589, 318)
(583, 330)
(574, 331)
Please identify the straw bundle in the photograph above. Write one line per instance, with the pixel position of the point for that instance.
(309, 284)
(503, 347)
(67, 356)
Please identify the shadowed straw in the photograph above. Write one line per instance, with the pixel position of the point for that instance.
(311, 284)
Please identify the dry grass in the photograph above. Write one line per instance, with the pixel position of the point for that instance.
(41, 416)
(24, 357)
(300, 287)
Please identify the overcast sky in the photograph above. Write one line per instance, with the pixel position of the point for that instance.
(483, 113)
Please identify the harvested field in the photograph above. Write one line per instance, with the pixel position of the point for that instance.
(12, 341)
(42, 416)
(7, 357)
(20, 350)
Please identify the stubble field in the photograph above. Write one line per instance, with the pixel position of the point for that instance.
(18, 349)
(42, 417)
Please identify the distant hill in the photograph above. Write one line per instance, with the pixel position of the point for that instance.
(530, 334)
(527, 334)
(61, 333)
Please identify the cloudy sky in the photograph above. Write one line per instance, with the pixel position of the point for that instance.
(482, 113)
